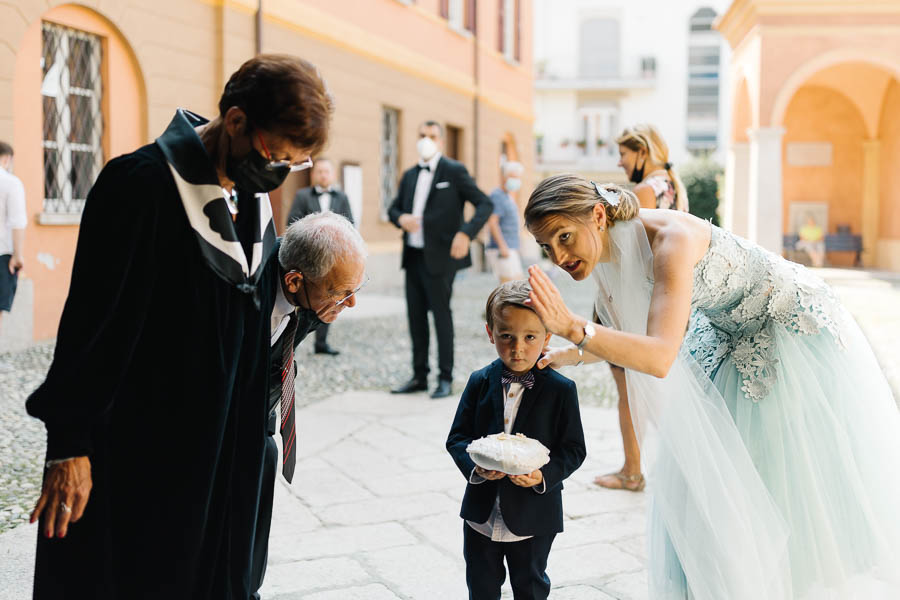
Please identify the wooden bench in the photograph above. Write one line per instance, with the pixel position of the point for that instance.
(834, 242)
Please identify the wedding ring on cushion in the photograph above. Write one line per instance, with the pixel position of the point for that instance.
(510, 454)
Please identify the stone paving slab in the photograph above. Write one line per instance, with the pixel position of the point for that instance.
(384, 495)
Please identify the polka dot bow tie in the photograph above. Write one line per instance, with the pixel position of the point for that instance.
(527, 379)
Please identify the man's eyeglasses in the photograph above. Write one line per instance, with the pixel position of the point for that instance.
(277, 165)
(353, 293)
(342, 299)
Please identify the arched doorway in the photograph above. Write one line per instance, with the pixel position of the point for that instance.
(839, 147)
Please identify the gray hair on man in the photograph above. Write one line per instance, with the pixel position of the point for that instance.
(312, 245)
(512, 168)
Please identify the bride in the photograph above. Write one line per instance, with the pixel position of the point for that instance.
(776, 436)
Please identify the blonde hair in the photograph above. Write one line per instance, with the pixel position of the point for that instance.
(511, 293)
(572, 197)
(647, 137)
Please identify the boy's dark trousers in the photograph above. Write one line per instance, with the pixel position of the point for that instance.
(527, 560)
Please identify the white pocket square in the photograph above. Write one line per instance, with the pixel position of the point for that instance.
(442, 185)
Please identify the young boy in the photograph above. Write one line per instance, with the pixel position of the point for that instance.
(515, 516)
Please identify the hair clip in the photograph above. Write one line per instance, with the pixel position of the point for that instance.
(612, 198)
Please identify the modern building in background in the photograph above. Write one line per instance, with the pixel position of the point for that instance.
(82, 83)
(815, 88)
(601, 65)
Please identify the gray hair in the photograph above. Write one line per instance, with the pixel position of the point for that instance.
(313, 244)
(511, 168)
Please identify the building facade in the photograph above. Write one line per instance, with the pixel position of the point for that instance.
(816, 122)
(82, 83)
(601, 65)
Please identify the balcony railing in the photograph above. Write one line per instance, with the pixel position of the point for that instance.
(643, 78)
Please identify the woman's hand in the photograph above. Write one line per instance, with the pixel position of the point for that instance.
(548, 303)
(67, 486)
(563, 356)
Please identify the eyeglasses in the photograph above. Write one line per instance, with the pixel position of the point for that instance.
(277, 165)
(342, 299)
(353, 293)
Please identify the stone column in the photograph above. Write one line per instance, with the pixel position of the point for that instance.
(737, 187)
(764, 206)
(871, 200)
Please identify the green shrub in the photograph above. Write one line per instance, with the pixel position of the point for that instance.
(702, 178)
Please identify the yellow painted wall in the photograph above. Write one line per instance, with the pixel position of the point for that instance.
(890, 160)
(819, 114)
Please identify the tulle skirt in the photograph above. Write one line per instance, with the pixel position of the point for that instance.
(826, 445)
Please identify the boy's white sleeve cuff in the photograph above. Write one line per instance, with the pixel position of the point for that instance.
(475, 479)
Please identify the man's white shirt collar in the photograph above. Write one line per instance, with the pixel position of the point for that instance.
(280, 313)
(431, 162)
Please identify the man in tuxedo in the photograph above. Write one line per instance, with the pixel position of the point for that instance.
(429, 209)
(319, 197)
(315, 271)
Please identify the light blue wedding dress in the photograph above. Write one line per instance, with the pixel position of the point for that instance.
(776, 436)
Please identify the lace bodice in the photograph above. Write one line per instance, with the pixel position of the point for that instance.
(740, 291)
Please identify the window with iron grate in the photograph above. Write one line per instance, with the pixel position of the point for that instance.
(71, 92)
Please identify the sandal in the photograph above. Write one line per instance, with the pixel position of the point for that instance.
(620, 481)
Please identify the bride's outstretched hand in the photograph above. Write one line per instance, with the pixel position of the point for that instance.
(548, 303)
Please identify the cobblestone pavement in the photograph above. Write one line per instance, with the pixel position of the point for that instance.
(21, 437)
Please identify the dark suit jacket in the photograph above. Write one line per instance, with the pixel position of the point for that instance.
(443, 216)
(548, 413)
(306, 202)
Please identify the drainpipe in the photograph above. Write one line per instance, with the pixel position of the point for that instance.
(475, 137)
(258, 27)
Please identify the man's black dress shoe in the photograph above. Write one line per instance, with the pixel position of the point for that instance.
(413, 385)
(326, 349)
(442, 390)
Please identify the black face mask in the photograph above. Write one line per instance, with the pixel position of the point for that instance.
(253, 174)
(637, 175)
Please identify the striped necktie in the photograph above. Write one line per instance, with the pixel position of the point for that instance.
(288, 427)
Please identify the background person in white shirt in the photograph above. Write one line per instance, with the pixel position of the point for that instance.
(321, 196)
(429, 209)
(13, 220)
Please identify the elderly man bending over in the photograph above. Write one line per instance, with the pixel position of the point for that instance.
(318, 267)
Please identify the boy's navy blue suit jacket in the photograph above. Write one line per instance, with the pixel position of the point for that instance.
(548, 413)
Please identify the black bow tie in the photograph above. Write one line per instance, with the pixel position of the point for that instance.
(527, 379)
(317, 190)
(423, 168)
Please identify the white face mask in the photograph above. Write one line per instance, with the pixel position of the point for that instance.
(513, 184)
(426, 147)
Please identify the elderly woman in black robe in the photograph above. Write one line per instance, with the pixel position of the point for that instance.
(156, 402)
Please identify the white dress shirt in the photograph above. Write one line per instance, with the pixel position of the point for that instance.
(324, 198)
(420, 197)
(281, 314)
(495, 528)
(12, 209)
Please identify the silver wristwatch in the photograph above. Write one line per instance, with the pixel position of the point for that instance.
(588, 334)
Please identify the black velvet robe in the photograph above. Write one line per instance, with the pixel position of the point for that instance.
(160, 376)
